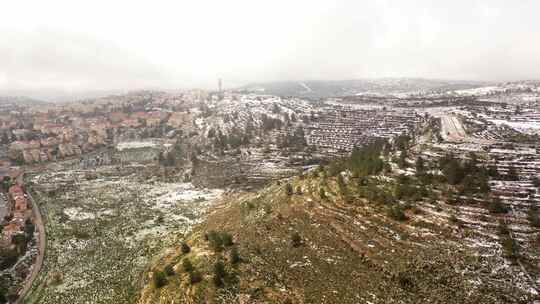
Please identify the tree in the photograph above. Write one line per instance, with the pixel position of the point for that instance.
(234, 256)
(160, 279)
(8, 257)
(367, 159)
(341, 183)
(5, 138)
(19, 240)
(510, 247)
(503, 228)
(29, 228)
(214, 238)
(512, 174)
(534, 217)
(186, 265)
(402, 142)
(195, 277)
(219, 273)
(536, 182)
(185, 248)
(169, 270)
(296, 239)
(452, 169)
(322, 193)
(227, 239)
(496, 206)
(396, 212)
(219, 239)
(289, 189)
(402, 161)
(493, 172)
(420, 166)
(211, 133)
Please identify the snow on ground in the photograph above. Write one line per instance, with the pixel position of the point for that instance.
(532, 127)
(76, 214)
(135, 145)
(452, 129)
(168, 194)
(479, 91)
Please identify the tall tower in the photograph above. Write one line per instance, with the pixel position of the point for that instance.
(220, 86)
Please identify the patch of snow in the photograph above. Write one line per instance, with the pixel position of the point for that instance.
(135, 145)
(76, 214)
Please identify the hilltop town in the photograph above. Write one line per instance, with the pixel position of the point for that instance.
(107, 200)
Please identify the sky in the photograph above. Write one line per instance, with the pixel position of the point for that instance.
(99, 45)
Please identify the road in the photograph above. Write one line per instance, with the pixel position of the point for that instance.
(38, 222)
(452, 129)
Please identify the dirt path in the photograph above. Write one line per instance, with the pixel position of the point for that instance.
(41, 247)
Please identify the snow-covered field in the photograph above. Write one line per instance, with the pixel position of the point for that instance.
(135, 145)
(530, 127)
(102, 233)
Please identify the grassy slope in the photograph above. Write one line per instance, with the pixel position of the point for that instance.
(350, 253)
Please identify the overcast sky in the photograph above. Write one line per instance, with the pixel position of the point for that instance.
(105, 45)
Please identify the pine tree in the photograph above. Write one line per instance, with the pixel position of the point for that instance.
(420, 166)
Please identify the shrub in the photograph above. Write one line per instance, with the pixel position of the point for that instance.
(185, 248)
(296, 239)
(219, 239)
(512, 174)
(396, 212)
(420, 166)
(195, 277)
(57, 278)
(160, 279)
(534, 217)
(288, 189)
(219, 273)
(341, 182)
(510, 247)
(169, 270)
(227, 239)
(322, 193)
(8, 257)
(215, 241)
(234, 256)
(186, 265)
(536, 182)
(503, 228)
(496, 206)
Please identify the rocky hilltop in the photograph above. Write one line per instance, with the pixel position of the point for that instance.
(354, 231)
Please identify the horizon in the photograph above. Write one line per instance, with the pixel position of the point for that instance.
(58, 95)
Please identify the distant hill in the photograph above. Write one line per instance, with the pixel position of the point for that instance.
(20, 101)
(323, 89)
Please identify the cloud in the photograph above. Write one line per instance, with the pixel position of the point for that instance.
(47, 59)
(62, 44)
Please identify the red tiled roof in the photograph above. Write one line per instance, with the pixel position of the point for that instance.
(15, 189)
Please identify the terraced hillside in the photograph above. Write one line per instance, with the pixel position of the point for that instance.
(331, 236)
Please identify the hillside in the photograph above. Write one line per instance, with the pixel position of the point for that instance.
(344, 233)
(19, 101)
(314, 89)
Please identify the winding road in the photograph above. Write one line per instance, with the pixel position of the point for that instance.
(38, 222)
